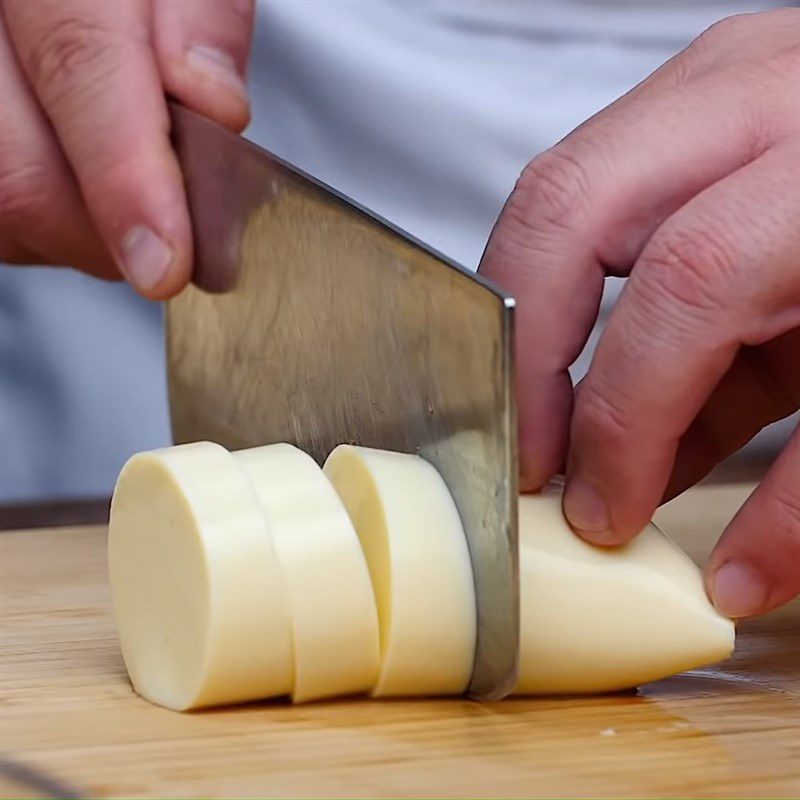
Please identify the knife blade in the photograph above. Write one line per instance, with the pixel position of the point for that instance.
(313, 321)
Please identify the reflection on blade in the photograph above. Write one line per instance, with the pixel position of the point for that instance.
(313, 322)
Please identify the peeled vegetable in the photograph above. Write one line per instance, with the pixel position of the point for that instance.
(417, 555)
(600, 619)
(251, 575)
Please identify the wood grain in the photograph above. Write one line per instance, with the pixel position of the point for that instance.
(67, 710)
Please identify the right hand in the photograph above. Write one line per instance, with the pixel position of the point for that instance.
(88, 177)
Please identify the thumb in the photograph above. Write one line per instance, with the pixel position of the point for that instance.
(755, 567)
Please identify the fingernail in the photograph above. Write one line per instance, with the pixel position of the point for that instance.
(145, 257)
(216, 65)
(738, 589)
(586, 510)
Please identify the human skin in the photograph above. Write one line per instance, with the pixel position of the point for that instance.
(689, 186)
(87, 173)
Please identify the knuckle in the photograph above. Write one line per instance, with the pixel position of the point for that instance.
(604, 415)
(23, 195)
(692, 268)
(786, 504)
(725, 27)
(712, 47)
(753, 37)
(69, 48)
(556, 184)
(682, 69)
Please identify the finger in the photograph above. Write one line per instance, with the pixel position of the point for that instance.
(203, 48)
(586, 208)
(42, 216)
(761, 387)
(755, 566)
(719, 273)
(530, 254)
(92, 69)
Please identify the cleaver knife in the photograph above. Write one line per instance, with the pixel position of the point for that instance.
(313, 321)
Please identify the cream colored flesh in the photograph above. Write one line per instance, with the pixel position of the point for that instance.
(418, 560)
(334, 622)
(197, 589)
(247, 576)
(598, 620)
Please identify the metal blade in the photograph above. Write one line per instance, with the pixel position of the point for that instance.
(314, 322)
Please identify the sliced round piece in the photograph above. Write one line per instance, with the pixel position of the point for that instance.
(198, 592)
(334, 622)
(418, 560)
(601, 619)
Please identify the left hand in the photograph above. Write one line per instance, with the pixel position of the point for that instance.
(689, 184)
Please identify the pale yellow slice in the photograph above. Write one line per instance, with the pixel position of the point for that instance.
(244, 576)
(334, 622)
(198, 592)
(597, 619)
(418, 560)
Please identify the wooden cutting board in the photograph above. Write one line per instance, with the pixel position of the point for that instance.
(70, 716)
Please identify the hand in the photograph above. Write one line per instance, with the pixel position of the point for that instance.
(87, 174)
(690, 185)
